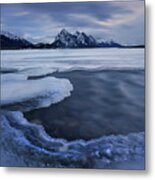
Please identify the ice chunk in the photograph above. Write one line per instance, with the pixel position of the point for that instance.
(43, 91)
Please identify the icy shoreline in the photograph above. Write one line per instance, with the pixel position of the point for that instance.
(28, 145)
(34, 148)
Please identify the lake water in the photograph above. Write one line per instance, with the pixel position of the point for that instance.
(102, 103)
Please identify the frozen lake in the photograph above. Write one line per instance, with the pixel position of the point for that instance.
(77, 94)
(39, 62)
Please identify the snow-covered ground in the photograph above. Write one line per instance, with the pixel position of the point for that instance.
(29, 142)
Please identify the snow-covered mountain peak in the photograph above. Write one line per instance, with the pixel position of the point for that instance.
(77, 39)
(64, 32)
(10, 41)
(9, 35)
(77, 33)
(62, 35)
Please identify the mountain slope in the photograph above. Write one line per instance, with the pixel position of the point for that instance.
(79, 40)
(9, 41)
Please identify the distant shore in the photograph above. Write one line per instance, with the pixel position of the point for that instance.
(123, 47)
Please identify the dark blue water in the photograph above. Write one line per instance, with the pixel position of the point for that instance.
(102, 103)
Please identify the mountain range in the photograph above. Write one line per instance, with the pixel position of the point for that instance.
(64, 39)
(79, 40)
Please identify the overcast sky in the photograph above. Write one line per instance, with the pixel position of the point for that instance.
(122, 21)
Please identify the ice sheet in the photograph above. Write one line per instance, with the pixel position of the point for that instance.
(42, 62)
(43, 91)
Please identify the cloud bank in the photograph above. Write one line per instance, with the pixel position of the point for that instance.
(120, 21)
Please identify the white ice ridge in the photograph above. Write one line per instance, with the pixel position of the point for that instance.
(38, 93)
(26, 144)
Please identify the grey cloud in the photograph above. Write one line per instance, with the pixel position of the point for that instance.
(47, 19)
